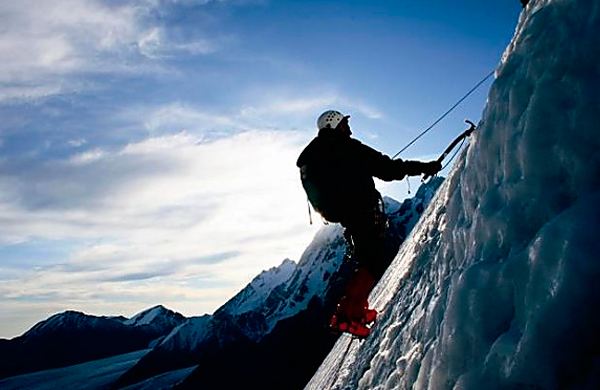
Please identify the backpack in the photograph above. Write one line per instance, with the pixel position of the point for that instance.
(335, 175)
(324, 193)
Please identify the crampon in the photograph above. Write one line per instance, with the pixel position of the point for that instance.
(358, 327)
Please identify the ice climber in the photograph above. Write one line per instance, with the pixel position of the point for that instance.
(337, 174)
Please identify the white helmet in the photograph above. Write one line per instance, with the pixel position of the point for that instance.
(330, 119)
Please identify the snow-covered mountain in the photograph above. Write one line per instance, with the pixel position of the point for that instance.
(157, 317)
(255, 294)
(69, 320)
(73, 337)
(283, 310)
(497, 287)
(187, 336)
(97, 374)
(297, 311)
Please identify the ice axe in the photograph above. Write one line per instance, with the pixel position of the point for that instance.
(458, 139)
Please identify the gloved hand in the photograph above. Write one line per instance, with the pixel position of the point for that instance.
(431, 168)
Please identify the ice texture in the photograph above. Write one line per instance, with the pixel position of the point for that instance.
(498, 286)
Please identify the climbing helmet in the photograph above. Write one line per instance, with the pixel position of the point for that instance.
(330, 119)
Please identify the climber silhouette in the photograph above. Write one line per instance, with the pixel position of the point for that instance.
(337, 174)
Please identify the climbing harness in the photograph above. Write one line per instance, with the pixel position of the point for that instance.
(445, 114)
(381, 223)
(458, 139)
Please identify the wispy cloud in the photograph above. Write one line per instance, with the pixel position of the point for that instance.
(155, 44)
(177, 117)
(269, 110)
(276, 101)
(164, 210)
(46, 45)
(157, 186)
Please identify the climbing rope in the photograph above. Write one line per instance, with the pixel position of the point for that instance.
(445, 114)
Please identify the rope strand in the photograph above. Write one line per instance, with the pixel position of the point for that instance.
(445, 114)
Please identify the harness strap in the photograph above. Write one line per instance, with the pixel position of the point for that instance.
(381, 219)
(309, 211)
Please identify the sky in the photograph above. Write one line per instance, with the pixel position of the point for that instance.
(148, 147)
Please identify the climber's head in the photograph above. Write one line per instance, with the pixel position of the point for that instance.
(332, 119)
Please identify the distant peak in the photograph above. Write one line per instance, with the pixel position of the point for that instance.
(63, 320)
(68, 313)
(154, 315)
(157, 308)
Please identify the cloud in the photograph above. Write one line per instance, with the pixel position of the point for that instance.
(155, 44)
(48, 47)
(269, 110)
(180, 197)
(162, 218)
(176, 117)
(277, 106)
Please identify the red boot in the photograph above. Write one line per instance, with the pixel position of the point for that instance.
(359, 328)
(353, 313)
(370, 316)
(354, 303)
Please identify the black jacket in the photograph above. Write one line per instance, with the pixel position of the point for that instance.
(337, 173)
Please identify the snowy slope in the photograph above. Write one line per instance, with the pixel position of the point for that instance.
(284, 291)
(187, 336)
(90, 376)
(497, 286)
(256, 293)
(324, 256)
(297, 312)
(191, 334)
(164, 381)
(282, 295)
(320, 260)
(157, 317)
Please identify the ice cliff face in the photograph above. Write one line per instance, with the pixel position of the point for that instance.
(497, 286)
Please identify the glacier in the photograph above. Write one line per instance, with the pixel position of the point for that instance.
(497, 286)
(97, 374)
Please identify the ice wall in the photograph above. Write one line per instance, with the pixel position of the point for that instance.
(498, 286)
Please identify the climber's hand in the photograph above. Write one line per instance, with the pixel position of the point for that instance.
(431, 168)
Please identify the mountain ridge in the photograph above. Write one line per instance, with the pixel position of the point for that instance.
(263, 317)
(73, 337)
